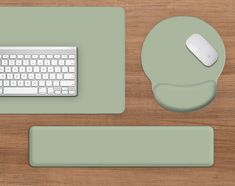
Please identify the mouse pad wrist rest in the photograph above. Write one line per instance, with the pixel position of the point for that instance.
(121, 146)
(98, 32)
(167, 61)
(181, 98)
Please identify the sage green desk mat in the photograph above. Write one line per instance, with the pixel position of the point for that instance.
(125, 146)
(99, 35)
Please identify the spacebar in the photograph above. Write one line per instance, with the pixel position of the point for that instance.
(19, 90)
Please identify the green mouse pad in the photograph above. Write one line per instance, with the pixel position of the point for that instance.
(98, 32)
(180, 82)
(125, 146)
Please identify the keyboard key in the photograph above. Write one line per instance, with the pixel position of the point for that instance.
(26, 62)
(67, 83)
(50, 90)
(42, 56)
(6, 83)
(42, 90)
(12, 56)
(19, 90)
(5, 56)
(13, 83)
(2, 76)
(69, 76)
(20, 56)
(34, 56)
(71, 56)
(34, 83)
(33, 62)
(70, 62)
(20, 83)
(41, 83)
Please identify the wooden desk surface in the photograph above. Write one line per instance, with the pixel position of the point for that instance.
(141, 108)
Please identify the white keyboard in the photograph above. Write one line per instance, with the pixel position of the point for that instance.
(38, 71)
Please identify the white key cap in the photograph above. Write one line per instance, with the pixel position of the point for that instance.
(13, 83)
(61, 62)
(36, 69)
(5, 56)
(50, 69)
(50, 90)
(34, 83)
(27, 83)
(9, 76)
(33, 62)
(19, 62)
(34, 56)
(47, 62)
(6, 83)
(59, 76)
(31, 76)
(22, 69)
(1, 91)
(0, 83)
(57, 92)
(72, 92)
(8, 69)
(2, 76)
(64, 69)
(52, 76)
(64, 56)
(70, 62)
(1, 69)
(56, 56)
(69, 76)
(49, 56)
(40, 62)
(64, 92)
(20, 56)
(20, 90)
(12, 56)
(29, 69)
(11, 62)
(57, 69)
(45, 76)
(43, 69)
(48, 83)
(24, 76)
(42, 90)
(15, 69)
(55, 83)
(4, 62)
(27, 56)
(54, 62)
(16, 76)
(67, 83)
(71, 69)
(38, 76)
(42, 56)
(26, 62)
(20, 83)
(71, 56)
(42, 83)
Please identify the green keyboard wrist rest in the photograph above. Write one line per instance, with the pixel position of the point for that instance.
(124, 146)
(181, 98)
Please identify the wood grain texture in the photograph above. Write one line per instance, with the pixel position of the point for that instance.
(141, 108)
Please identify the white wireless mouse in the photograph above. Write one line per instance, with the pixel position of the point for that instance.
(202, 49)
